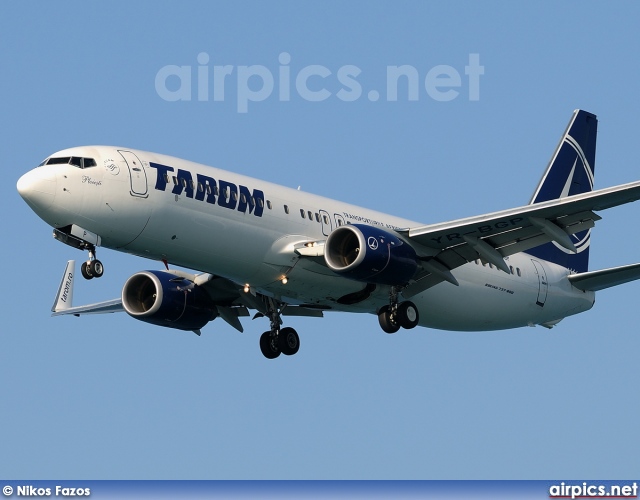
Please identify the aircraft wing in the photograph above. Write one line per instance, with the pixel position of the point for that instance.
(491, 237)
(229, 299)
(63, 303)
(227, 294)
(108, 306)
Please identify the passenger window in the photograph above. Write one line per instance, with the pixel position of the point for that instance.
(200, 188)
(511, 269)
(302, 213)
(243, 198)
(326, 219)
(208, 188)
(286, 209)
(269, 206)
(317, 217)
(518, 271)
(166, 178)
(310, 215)
(175, 180)
(234, 196)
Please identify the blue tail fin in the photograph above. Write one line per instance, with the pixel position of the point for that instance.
(570, 172)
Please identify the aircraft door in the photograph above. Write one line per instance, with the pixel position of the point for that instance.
(325, 219)
(543, 284)
(137, 174)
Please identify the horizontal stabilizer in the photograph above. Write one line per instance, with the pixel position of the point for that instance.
(599, 280)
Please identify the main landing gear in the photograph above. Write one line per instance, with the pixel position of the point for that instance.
(93, 268)
(396, 316)
(278, 340)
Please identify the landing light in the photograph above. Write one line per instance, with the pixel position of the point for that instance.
(246, 288)
(284, 280)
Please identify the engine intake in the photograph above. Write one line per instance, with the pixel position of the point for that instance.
(167, 300)
(370, 254)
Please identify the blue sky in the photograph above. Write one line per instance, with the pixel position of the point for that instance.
(111, 398)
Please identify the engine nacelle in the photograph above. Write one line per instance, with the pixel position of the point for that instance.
(370, 254)
(164, 299)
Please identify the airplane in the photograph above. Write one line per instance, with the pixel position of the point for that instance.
(282, 252)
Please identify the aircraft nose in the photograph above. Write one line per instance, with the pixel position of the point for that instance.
(38, 187)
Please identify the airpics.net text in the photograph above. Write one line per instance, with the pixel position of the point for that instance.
(312, 83)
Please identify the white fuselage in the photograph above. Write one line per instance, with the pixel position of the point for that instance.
(158, 207)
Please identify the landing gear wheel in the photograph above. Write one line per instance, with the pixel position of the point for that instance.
(96, 268)
(407, 315)
(85, 270)
(387, 320)
(268, 345)
(288, 341)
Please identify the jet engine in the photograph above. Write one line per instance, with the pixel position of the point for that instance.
(370, 254)
(164, 299)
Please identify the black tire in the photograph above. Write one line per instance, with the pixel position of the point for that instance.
(96, 268)
(269, 350)
(408, 315)
(86, 271)
(387, 323)
(288, 341)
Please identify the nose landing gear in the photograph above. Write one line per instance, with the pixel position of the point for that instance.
(79, 238)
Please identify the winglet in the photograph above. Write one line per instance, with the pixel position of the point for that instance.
(64, 297)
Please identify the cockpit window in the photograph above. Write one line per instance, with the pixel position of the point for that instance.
(76, 161)
(58, 161)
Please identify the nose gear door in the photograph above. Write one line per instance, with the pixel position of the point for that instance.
(137, 174)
